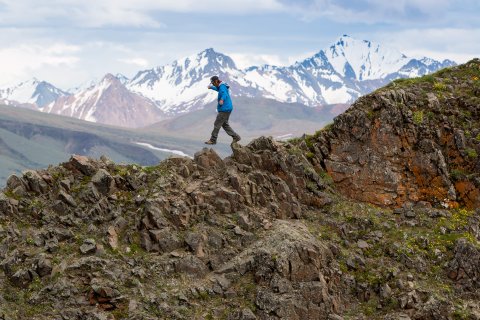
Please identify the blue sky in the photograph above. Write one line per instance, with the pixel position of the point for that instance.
(70, 42)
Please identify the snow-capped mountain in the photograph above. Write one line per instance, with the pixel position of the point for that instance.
(34, 92)
(109, 102)
(338, 74)
(182, 86)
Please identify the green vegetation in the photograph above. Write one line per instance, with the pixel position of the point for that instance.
(439, 86)
(326, 177)
(471, 153)
(457, 174)
(418, 117)
(404, 82)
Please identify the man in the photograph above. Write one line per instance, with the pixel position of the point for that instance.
(224, 108)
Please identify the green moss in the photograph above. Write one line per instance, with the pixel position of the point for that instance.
(477, 137)
(471, 153)
(461, 313)
(10, 194)
(430, 115)
(411, 81)
(326, 178)
(312, 186)
(418, 117)
(294, 141)
(439, 86)
(328, 127)
(120, 313)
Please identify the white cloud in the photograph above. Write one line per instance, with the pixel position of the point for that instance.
(375, 11)
(134, 13)
(136, 61)
(21, 62)
(439, 43)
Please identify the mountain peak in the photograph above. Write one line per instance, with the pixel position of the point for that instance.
(109, 77)
(209, 51)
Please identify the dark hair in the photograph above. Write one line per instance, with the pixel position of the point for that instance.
(214, 78)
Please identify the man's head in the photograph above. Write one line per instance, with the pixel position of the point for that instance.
(215, 81)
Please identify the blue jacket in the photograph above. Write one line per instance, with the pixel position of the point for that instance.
(224, 95)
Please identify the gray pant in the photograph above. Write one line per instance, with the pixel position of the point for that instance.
(222, 122)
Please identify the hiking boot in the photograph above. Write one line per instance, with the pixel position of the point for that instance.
(210, 142)
(236, 139)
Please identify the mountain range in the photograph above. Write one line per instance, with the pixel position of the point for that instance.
(347, 69)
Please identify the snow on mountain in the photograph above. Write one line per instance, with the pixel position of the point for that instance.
(340, 74)
(109, 102)
(123, 79)
(337, 75)
(182, 86)
(33, 92)
(363, 60)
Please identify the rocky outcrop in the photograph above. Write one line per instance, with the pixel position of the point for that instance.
(419, 142)
(190, 217)
(464, 268)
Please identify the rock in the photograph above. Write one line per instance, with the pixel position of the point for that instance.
(362, 244)
(208, 158)
(410, 214)
(223, 282)
(16, 185)
(88, 246)
(6, 206)
(103, 181)
(385, 291)
(247, 314)
(164, 240)
(464, 268)
(82, 164)
(112, 237)
(51, 245)
(191, 265)
(397, 211)
(103, 294)
(244, 221)
(44, 266)
(35, 182)
(66, 198)
(196, 243)
(22, 278)
(398, 316)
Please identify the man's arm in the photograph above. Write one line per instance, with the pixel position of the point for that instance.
(211, 86)
(222, 93)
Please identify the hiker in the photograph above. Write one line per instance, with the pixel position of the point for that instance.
(224, 109)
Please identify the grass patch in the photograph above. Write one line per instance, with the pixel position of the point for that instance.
(471, 153)
(411, 81)
(440, 86)
(418, 117)
(326, 178)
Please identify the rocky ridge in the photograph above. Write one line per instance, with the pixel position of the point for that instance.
(413, 140)
(270, 232)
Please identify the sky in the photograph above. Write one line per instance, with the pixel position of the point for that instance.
(70, 43)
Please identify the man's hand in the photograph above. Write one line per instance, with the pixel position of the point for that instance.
(209, 86)
(220, 102)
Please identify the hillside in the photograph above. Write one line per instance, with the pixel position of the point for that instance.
(368, 218)
(33, 140)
